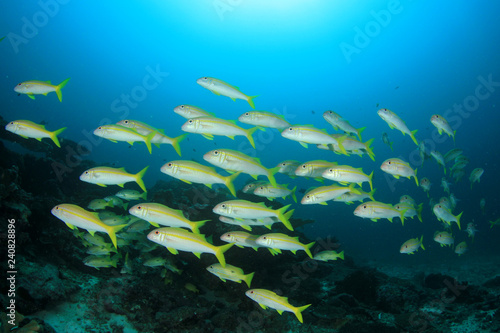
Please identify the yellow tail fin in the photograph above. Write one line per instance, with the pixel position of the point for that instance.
(53, 136)
(138, 178)
(59, 87)
(219, 253)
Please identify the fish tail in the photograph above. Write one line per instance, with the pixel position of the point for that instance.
(307, 248)
(371, 194)
(148, 138)
(59, 87)
(112, 233)
(415, 176)
(421, 242)
(138, 178)
(229, 182)
(284, 218)
(248, 279)
(370, 181)
(195, 226)
(176, 141)
(298, 312)
(412, 134)
(419, 211)
(53, 136)
(390, 145)
(144, 195)
(458, 220)
(249, 136)
(341, 146)
(270, 175)
(359, 131)
(369, 149)
(219, 253)
(402, 216)
(353, 190)
(250, 101)
(294, 197)
(341, 255)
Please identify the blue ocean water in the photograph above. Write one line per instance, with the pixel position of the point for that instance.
(141, 59)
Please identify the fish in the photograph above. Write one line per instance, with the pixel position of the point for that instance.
(155, 262)
(103, 176)
(158, 214)
(471, 229)
(192, 288)
(28, 129)
(288, 167)
(266, 298)
(117, 202)
(375, 210)
(445, 202)
(452, 154)
(101, 250)
(191, 111)
(194, 172)
(345, 174)
(320, 195)
(444, 214)
(264, 119)
(425, 184)
(138, 226)
(234, 160)
(453, 201)
(410, 210)
(32, 88)
(131, 195)
(385, 139)
(475, 176)
(75, 216)
(177, 239)
(279, 242)
(220, 87)
(496, 222)
(158, 138)
(98, 204)
(272, 192)
(444, 238)
(243, 209)
(350, 197)
(439, 159)
(445, 185)
(353, 146)
(247, 224)
(412, 245)
(231, 273)
(240, 239)
(395, 122)
(399, 168)
(307, 134)
(328, 255)
(338, 122)
(101, 262)
(461, 248)
(314, 169)
(115, 133)
(442, 125)
(250, 187)
(210, 126)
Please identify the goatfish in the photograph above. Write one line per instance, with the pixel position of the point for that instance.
(194, 172)
(220, 87)
(32, 88)
(103, 176)
(158, 138)
(250, 187)
(98, 204)
(461, 248)
(306, 134)
(350, 197)
(320, 195)
(412, 245)
(272, 192)
(177, 239)
(439, 159)
(210, 126)
(375, 210)
(444, 238)
(115, 133)
(452, 154)
(410, 210)
(243, 209)
(233, 160)
(131, 195)
(442, 126)
(155, 262)
(314, 169)
(385, 139)
(28, 129)
(101, 262)
(328, 255)
(288, 167)
(191, 111)
(353, 146)
(75, 216)
(279, 242)
(231, 273)
(338, 122)
(395, 122)
(475, 176)
(240, 239)
(266, 298)
(247, 224)
(264, 119)
(158, 214)
(399, 168)
(425, 184)
(345, 174)
(444, 214)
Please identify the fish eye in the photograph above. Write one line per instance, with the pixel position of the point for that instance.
(290, 129)
(364, 206)
(19, 84)
(247, 114)
(308, 196)
(86, 172)
(157, 232)
(331, 170)
(205, 78)
(182, 106)
(12, 123)
(389, 162)
(216, 152)
(304, 166)
(229, 235)
(190, 121)
(283, 164)
(169, 164)
(139, 207)
(99, 127)
(251, 292)
(264, 237)
(223, 206)
(57, 207)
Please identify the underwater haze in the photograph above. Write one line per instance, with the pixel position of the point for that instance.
(140, 59)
